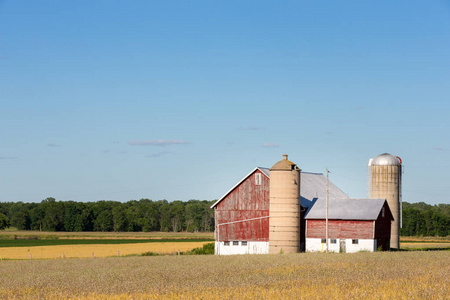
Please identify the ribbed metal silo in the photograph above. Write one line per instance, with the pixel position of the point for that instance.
(386, 172)
(284, 208)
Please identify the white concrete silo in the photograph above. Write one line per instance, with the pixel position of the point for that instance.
(384, 182)
(284, 208)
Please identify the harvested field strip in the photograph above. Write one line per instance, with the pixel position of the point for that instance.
(96, 250)
(425, 241)
(425, 246)
(57, 242)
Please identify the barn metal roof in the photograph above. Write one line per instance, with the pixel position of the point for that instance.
(346, 209)
(312, 187)
(266, 171)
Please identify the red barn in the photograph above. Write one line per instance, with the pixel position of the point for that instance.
(242, 214)
(353, 225)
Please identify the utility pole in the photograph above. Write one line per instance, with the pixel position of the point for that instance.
(326, 214)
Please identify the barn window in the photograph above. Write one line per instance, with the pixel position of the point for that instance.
(355, 241)
(324, 241)
(227, 243)
(333, 241)
(382, 212)
(244, 243)
(258, 178)
(235, 243)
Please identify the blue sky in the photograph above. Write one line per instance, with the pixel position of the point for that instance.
(178, 100)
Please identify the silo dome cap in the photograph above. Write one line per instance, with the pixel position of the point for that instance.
(386, 159)
(284, 164)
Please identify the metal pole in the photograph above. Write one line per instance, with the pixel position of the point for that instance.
(326, 216)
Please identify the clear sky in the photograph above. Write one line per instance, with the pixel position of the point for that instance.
(178, 100)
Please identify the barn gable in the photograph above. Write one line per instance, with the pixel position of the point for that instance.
(263, 171)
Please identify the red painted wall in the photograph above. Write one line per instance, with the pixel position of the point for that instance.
(345, 229)
(246, 201)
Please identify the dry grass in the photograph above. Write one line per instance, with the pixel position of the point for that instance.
(438, 239)
(408, 246)
(414, 242)
(381, 275)
(101, 250)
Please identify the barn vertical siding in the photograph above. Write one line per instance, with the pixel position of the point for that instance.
(345, 229)
(246, 201)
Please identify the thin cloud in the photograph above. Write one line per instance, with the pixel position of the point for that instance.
(440, 149)
(157, 142)
(8, 157)
(360, 107)
(53, 145)
(270, 145)
(159, 154)
(106, 151)
(254, 128)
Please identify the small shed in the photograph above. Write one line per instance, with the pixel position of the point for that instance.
(353, 225)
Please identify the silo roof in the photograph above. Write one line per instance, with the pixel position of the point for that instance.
(283, 164)
(385, 159)
(346, 209)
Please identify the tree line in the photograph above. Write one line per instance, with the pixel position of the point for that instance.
(421, 219)
(142, 215)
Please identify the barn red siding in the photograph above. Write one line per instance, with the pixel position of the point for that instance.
(246, 201)
(340, 229)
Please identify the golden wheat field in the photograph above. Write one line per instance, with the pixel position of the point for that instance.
(100, 250)
(379, 275)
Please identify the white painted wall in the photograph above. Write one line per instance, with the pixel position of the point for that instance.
(363, 245)
(315, 245)
(251, 248)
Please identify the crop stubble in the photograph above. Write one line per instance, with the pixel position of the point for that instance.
(381, 275)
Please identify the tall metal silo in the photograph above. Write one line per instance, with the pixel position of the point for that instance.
(385, 183)
(284, 208)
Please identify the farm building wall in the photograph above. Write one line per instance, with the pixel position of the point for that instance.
(383, 227)
(241, 247)
(243, 215)
(346, 229)
(340, 245)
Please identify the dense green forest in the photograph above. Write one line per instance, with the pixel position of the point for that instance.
(142, 215)
(419, 219)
